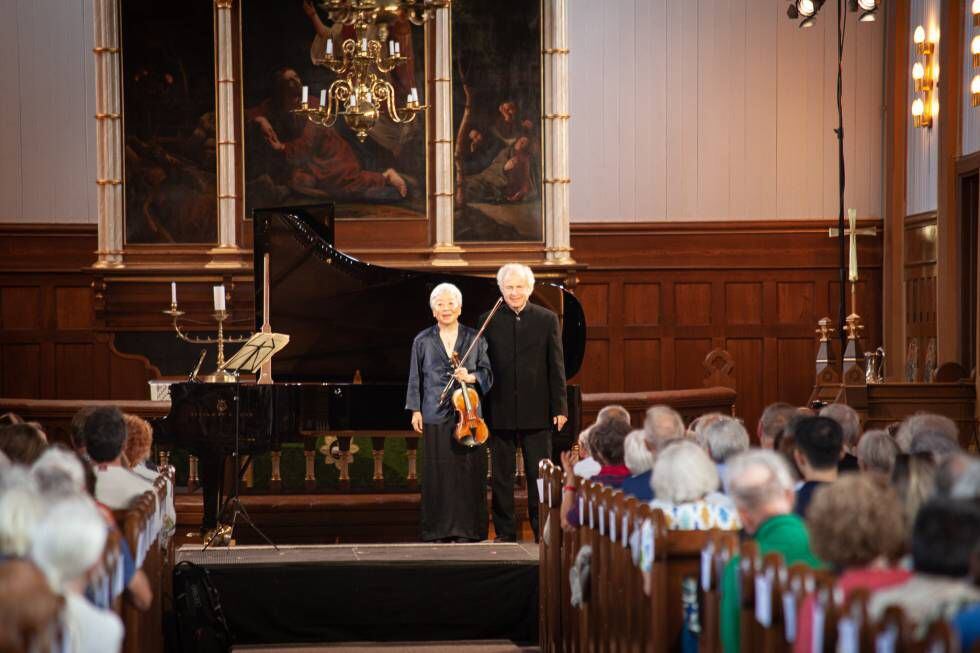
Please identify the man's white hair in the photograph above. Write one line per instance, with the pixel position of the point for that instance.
(69, 540)
(757, 477)
(724, 437)
(445, 289)
(919, 423)
(21, 508)
(661, 425)
(636, 455)
(58, 471)
(849, 420)
(683, 473)
(516, 268)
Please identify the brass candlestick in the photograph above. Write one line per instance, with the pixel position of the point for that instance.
(220, 316)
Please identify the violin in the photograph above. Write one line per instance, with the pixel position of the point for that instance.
(471, 430)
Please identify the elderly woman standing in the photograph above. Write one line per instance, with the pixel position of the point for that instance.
(454, 504)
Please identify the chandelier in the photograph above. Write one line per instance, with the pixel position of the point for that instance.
(361, 93)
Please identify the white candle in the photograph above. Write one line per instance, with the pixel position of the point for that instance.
(364, 45)
(367, 96)
(853, 263)
(306, 94)
(353, 100)
(219, 298)
(415, 94)
(398, 48)
(323, 97)
(173, 293)
(408, 99)
(391, 48)
(329, 47)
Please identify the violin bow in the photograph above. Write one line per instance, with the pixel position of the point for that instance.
(469, 350)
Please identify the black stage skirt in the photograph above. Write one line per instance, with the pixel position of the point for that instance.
(454, 487)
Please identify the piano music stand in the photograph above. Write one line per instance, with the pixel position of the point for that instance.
(259, 349)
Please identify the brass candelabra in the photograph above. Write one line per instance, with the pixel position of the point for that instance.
(220, 316)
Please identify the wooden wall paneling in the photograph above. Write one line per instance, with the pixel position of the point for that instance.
(750, 372)
(21, 308)
(689, 354)
(642, 363)
(73, 366)
(74, 308)
(743, 303)
(21, 370)
(794, 302)
(920, 274)
(692, 304)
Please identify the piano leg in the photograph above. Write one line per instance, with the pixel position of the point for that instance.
(212, 471)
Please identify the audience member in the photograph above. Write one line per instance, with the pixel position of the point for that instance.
(67, 545)
(914, 478)
(967, 622)
(695, 430)
(943, 539)
(850, 426)
(105, 434)
(613, 411)
(722, 439)
(761, 486)
(785, 444)
(925, 423)
(662, 424)
(59, 472)
(967, 486)
(28, 609)
(22, 442)
(818, 450)
(138, 446)
(606, 441)
(21, 508)
(639, 459)
(857, 527)
(585, 465)
(685, 484)
(772, 422)
(876, 452)
(76, 433)
(949, 471)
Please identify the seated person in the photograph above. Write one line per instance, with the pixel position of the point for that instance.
(876, 452)
(819, 445)
(138, 446)
(773, 420)
(22, 442)
(30, 609)
(914, 478)
(943, 537)
(607, 442)
(67, 546)
(850, 426)
(685, 482)
(639, 459)
(21, 508)
(586, 466)
(722, 438)
(116, 486)
(760, 484)
(857, 526)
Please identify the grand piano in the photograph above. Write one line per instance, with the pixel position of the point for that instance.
(346, 320)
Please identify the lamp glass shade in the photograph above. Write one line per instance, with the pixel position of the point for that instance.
(917, 107)
(868, 5)
(975, 7)
(919, 35)
(867, 17)
(975, 45)
(975, 84)
(805, 7)
(918, 71)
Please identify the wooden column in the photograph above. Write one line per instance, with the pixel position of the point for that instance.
(108, 133)
(896, 153)
(554, 105)
(948, 283)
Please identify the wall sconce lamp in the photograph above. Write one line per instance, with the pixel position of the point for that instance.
(975, 91)
(975, 9)
(925, 76)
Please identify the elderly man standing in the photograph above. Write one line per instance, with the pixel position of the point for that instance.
(527, 402)
(760, 484)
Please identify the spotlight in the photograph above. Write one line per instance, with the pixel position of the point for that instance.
(805, 7)
(868, 16)
(807, 22)
(868, 5)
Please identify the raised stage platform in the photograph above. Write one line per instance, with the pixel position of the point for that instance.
(375, 592)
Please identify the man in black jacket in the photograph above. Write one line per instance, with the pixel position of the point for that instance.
(527, 401)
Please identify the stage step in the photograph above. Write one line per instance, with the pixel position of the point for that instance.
(465, 646)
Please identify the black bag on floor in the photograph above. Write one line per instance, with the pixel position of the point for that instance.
(201, 624)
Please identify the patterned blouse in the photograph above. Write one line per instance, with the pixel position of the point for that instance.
(714, 510)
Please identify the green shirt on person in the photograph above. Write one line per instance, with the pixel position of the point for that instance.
(784, 534)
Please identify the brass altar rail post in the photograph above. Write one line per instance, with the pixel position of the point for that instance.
(378, 454)
(309, 454)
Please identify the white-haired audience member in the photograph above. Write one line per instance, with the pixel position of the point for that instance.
(662, 424)
(21, 508)
(67, 545)
(695, 430)
(876, 452)
(586, 466)
(723, 438)
(685, 484)
(929, 429)
(639, 459)
(850, 426)
(29, 610)
(761, 485)
(59, 472)
(773, 420)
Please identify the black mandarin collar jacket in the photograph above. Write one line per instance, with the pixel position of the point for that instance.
(528, 369)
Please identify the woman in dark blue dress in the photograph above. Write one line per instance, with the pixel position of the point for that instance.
(454, 476)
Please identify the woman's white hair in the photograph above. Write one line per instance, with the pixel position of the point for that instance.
(69, 540)
(21, 508)
(445, 289)
(683, 473)
(635, 453)
(58, 471)
(516, 268)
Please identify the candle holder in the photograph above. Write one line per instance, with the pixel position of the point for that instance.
(220, 316)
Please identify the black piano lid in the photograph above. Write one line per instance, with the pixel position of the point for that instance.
(344, 315)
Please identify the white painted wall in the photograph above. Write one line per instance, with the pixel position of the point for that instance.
(923, 144)
(47, 108)
(719, 110)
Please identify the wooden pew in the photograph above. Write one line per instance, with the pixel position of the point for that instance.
(550, 575)
(719, 549)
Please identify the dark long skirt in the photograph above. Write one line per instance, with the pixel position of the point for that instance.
(454, 487)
